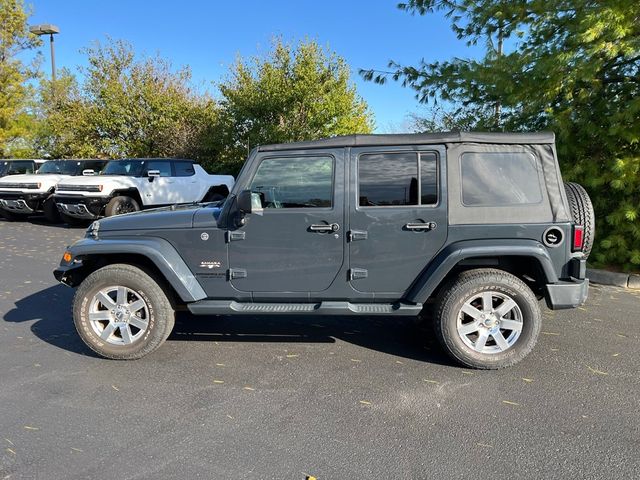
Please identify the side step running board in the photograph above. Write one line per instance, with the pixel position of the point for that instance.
(221, 307)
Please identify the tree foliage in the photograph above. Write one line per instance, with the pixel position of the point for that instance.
(573, 66)
(15, 92)
(125, 107)
(295, 93)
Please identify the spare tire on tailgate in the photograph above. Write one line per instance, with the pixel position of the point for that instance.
(582, 213)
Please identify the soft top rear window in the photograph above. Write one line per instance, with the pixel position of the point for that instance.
(500, 179)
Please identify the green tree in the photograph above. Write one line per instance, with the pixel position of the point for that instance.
(15, 93)
(125, 107)
(295, 93)
(136, 107)
(572, 66)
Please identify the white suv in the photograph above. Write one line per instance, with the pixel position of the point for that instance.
(130, 185)
(24, 195)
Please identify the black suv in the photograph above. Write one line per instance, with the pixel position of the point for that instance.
(472, 228)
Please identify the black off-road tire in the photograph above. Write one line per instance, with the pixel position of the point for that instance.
(121, 204)
(466, 286)
(582, 213)
(161, 313)
(50, 211)
(73, 221)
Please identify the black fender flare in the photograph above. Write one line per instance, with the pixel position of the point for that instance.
(159, 251)
(453, 254)
(127, 192)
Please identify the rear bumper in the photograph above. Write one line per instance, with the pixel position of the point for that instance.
(567, 294)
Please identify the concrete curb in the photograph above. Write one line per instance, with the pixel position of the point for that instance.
(604, 277)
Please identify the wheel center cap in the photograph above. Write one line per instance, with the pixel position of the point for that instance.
(491, 321)
(122, 313)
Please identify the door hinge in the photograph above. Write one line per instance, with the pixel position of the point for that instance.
(237, 273)
(358, 273)
(234, 236)
(354, 235)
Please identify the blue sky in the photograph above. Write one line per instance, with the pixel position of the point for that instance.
(209, 35)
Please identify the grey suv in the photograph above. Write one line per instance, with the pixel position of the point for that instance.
(473, 229)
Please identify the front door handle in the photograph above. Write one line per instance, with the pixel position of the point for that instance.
(421, 226)
(332, 227)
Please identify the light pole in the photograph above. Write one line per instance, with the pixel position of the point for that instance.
(51, 30)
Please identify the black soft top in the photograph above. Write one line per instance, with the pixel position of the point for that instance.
(535, 138)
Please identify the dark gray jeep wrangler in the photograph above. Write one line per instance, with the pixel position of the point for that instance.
(470, 229)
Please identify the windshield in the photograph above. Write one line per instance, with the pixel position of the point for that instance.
(132, 168)
(62, 167)
(9, 167)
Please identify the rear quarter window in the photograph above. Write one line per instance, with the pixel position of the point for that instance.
(500, 179)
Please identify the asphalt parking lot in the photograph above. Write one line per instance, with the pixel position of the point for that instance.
(285, 397)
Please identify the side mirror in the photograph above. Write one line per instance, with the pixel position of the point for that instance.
(244, 202)
(249, 202)
(153, 174)
(88, 172)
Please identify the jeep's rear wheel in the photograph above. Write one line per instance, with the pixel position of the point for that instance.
(487, 319)
(582, 213)
(120, 205)
(121, 313)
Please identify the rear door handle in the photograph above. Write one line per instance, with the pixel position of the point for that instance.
(332, 227)
(421, 226)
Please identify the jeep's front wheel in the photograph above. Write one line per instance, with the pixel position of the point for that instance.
(487, 319)
(120, 205)
(121, 313)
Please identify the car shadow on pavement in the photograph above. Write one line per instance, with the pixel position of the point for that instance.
(399, 336)
(50, 310)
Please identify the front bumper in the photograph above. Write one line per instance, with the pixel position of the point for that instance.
(25, 203)
(69, 274)
(88, 208)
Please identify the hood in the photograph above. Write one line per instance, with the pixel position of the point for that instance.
(49, 179)
(86, 180)
(155, 219)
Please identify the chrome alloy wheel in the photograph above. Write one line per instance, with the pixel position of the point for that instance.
(118, 315)
(490, 322)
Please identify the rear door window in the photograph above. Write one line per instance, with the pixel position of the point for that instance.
(184, 169)
(397, 179)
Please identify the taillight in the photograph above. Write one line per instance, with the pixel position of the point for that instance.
(578, 238)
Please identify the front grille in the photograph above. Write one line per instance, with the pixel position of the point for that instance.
(24, 186)
(79, 188)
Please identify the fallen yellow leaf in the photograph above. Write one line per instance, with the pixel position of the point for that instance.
(364, 402)
(28, 427)
(218, 381)
(596, 371)
(510, 403)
